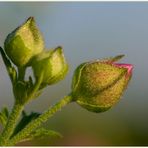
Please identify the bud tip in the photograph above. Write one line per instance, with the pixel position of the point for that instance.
(129, 67)
(31, 18)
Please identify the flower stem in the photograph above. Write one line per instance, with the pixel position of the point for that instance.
(21, 73)
(41, 119)
(9, 128)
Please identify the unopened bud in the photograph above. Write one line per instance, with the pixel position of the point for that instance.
(24, 42)
(98, 85)
(52, 64)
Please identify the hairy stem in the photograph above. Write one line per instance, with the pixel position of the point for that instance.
(41, 119)
(11, 123)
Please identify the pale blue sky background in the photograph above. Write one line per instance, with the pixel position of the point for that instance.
(89, 31)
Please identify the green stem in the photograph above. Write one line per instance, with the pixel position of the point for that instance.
(21, 73)
(41, 119)
(36, 87)
(9, 128)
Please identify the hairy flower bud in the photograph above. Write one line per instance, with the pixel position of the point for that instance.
(24, 42)
(98, 85)
(52, 64)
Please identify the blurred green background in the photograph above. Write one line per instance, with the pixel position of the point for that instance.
(88, 31)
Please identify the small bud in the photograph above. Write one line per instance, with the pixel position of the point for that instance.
(52, 64)
(98, 85)
(24, 42)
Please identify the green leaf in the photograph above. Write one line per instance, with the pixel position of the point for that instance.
(5, 111)
(24, 121)
(2, 120)
(42, 133)
(4, 114)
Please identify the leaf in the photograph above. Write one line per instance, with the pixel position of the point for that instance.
(5, 111)
(4, 114)
(2, 120)
(42, 133)
(24, 121)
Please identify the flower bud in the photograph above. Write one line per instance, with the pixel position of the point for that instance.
(52, 64)
(24, 42)
(98, 85)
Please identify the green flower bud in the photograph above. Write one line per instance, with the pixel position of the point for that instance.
(52, 64)
(98, 85)
(23, 43)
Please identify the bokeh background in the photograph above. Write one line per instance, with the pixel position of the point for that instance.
(88, 30)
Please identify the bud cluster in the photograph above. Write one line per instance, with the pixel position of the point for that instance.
(25, 47)
(96, 85)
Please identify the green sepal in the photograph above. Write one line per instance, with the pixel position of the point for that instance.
(4, 114)
(10, 69)
(20, 92)
(76, 77)
(92, 107)
(29, 83)
(24, 121)
(59, 67)
(112, 59)
(25, 91)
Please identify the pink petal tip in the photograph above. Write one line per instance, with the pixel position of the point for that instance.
(127, 66)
